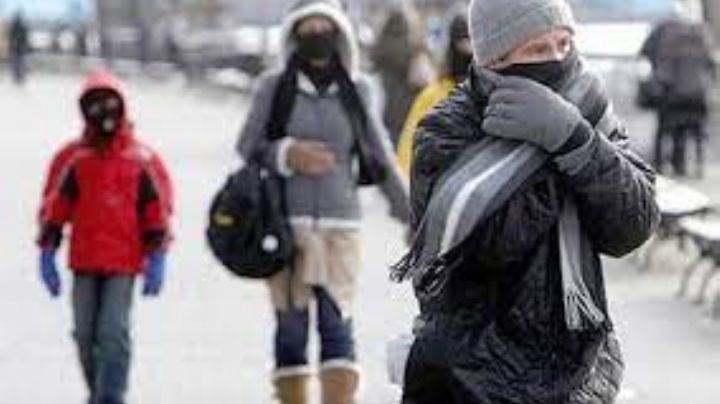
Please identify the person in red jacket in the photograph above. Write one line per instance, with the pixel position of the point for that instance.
(116, 196)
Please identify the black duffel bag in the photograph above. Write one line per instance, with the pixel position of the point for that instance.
(248, 229)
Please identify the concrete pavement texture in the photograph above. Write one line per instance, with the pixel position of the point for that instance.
(207, 339)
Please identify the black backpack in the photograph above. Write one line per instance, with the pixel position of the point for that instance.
(248, 230)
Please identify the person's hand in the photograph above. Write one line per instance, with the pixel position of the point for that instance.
(522, 109)
(154, 274)
(49, 272)
(310, 158)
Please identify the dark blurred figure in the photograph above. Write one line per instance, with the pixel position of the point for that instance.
(174, 53)
(172, 49)
(18, 48)
(683, 69)
(405, 66)
(57, 33)
(81, 37)
(144, 42)
(173, 45)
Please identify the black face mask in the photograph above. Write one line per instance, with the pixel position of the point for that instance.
(103, 113)
(320, 46)
(552, 74)
(321, 77)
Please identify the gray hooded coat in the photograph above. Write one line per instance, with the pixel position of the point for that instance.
(331, 200)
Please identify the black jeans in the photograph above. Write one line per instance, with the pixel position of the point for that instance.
(677, 128)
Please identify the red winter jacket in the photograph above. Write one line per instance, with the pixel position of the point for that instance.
(117, 198)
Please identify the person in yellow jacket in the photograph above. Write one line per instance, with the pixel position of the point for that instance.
(458, 58)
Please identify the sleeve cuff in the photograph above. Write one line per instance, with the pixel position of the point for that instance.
(51, 236)
(155, 240)
(281, 162)
(577, 151)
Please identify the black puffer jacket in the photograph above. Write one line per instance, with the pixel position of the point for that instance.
(492, 327)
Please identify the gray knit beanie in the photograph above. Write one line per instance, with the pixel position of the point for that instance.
(499, 26)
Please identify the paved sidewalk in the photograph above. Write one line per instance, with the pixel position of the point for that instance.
(207, 340)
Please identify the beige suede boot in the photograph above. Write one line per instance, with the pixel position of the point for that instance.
(339, 385)
(292, 389)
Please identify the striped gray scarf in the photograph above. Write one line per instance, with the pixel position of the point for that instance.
(483, 179)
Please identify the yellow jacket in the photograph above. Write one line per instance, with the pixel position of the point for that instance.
(424, 103)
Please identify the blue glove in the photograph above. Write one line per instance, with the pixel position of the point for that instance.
(49, 272)
(154, 274)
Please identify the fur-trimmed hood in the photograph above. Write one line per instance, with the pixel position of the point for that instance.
(332, 9)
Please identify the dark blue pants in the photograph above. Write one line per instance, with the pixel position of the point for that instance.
(101, 308)
(336, 333)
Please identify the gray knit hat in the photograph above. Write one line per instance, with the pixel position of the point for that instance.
(499, 26)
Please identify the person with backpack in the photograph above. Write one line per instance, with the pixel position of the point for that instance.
(330, 142)
(115, 194)
(458, 57)
(522, 179)
(683, 69)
